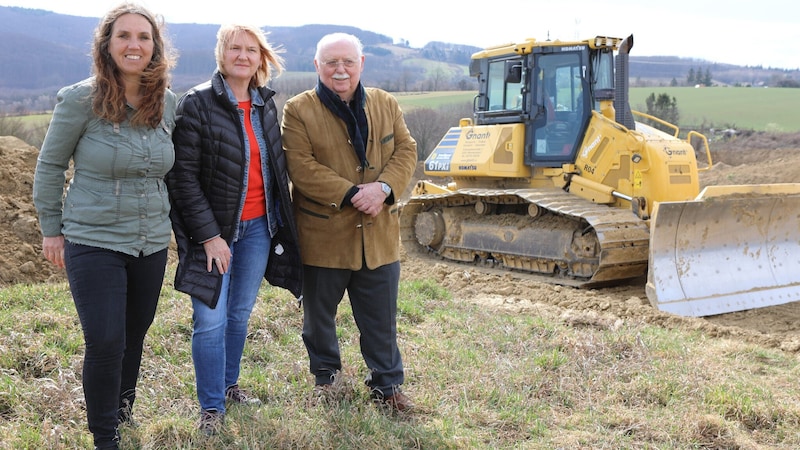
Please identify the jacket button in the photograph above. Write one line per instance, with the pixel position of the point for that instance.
(333, 205)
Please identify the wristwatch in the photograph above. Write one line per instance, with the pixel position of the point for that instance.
(386, 189)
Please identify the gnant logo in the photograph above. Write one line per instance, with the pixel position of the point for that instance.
(473, 135)
(671, 152)
(590, 147)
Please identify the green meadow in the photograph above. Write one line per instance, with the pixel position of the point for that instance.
(759, 109)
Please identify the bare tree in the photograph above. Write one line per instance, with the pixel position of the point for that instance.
(428, 126)
(437, 77)
(15, 126)
(423, 125)
(406, 78)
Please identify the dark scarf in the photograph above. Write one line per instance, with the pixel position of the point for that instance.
(353, 115)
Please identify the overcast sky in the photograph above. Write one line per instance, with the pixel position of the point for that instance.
(762, 33)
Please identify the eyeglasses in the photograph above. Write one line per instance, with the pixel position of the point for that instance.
(334, 63)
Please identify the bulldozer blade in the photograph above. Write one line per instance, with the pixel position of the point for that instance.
(733, 248)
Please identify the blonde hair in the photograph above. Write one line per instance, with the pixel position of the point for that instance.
(109, 92)
(270, 57)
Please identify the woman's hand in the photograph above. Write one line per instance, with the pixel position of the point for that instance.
(53, 249)
(217, 252)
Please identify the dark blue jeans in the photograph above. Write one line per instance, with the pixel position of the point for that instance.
(116, 296)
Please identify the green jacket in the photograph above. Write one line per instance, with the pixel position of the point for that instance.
(117, 198)
(323, 166)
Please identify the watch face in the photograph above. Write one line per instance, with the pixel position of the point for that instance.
(386, 189)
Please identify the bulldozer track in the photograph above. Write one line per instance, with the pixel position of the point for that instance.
(622, 237)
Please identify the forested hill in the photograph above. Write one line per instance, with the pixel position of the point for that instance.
(43, 51)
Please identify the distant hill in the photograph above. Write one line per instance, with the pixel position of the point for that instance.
(663, 70)
(43, 51)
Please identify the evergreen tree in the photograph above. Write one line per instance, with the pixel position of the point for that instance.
(664, 107)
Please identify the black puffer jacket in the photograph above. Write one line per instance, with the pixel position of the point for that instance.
(206, 183)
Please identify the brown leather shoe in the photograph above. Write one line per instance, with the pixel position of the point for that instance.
(239, 396)
(210, 421)
(399, 402)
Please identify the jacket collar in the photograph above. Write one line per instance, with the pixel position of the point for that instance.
(259, 96)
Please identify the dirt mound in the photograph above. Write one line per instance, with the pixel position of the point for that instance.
(21, 260)
(765, 161)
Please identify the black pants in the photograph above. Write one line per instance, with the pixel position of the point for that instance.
(116, 296)
(373, 298)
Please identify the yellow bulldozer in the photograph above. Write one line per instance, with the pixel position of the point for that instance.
(556, 176)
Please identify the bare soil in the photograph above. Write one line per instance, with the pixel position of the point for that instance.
(752, 159)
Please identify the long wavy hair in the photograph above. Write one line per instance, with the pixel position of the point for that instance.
(109, 90)
(270, 56)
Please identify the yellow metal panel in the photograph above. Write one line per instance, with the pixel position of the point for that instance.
(480, 151)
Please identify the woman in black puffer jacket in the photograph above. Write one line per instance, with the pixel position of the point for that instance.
(231, 210)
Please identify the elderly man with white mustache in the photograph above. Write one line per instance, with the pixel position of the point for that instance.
(349, 156)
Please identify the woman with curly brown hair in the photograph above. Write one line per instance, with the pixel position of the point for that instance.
(112, 229)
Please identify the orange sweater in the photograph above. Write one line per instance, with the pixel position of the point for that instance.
(255, 202)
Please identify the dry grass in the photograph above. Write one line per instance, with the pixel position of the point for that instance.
(481, 379)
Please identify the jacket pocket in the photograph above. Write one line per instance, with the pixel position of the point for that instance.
(314, 213)
(83, 206)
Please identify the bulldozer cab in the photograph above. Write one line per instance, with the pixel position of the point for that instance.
(547, 92)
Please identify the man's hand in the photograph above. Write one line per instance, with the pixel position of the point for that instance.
(369, 199)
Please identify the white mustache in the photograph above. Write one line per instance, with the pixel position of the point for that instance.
(343, 76)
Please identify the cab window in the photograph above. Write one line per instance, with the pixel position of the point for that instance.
(504, 94)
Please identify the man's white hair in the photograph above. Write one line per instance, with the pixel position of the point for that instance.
(338, 37)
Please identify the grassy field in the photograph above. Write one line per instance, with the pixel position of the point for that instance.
(759, 109)
(36, 119)
(482, 379)
(434, 99)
